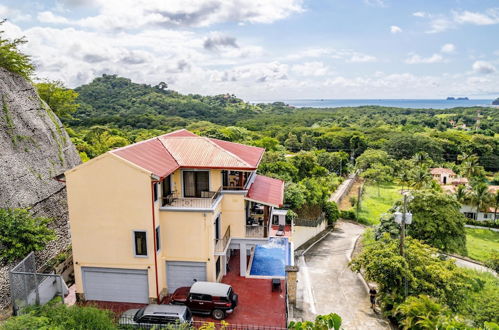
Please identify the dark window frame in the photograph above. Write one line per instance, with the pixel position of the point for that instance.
(136, 244)
(157, 232)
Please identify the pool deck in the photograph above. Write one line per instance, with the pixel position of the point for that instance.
(258, 304)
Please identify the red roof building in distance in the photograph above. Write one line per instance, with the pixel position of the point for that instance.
(442, 170)
(164, 154)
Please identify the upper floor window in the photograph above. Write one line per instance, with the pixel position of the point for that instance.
(166, 187)
(195, 183)
(140, 243)
(155, 191)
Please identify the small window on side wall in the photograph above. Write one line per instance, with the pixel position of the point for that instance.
(158, 239)
(140, 243)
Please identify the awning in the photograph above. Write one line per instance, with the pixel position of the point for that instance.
(267, 191)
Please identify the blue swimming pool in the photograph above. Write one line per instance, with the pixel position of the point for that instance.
(270, 259)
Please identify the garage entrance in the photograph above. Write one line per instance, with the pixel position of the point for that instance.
(115, 284)
(184, 273)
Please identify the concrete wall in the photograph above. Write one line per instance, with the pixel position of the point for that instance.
(108, 199)
(301, 234)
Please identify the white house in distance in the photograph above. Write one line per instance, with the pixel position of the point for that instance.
(443, 175)
(487, 215)
(449, 181)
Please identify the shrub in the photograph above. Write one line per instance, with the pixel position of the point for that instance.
(493, 261)
(485, 223)
(55, 315)
(347, 214)
(353, 200)
(332, 212)
(330, 321)
(21, 233)
(11, 57)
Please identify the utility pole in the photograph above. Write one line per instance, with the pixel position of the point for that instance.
(403, 219)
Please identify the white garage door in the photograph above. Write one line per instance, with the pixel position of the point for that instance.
(183, 273)
(115, 284)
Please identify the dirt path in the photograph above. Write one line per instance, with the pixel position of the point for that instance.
(354, 191)
(327, 285)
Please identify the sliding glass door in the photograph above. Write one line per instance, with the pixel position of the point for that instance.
(195, 182)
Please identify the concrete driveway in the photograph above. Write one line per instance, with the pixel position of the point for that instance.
(326, 284)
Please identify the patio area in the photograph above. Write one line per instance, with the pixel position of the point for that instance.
(258, 304)
(274, 231)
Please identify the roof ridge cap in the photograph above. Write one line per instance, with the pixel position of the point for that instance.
(168, 151)
(133, 144)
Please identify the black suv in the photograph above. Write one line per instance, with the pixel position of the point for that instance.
(207, 298)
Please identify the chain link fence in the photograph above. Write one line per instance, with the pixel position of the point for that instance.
(27, 287)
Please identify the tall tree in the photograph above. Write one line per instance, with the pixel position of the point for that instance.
(481, 197)
(59, 98)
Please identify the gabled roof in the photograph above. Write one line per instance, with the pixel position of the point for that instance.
(166, 153)
(151, 155)
(267, 191)
(442, 170)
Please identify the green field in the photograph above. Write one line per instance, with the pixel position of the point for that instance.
(481, 243)
(372, 205)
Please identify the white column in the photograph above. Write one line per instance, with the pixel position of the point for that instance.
(242, 261)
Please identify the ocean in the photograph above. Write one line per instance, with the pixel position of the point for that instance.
(402, 103)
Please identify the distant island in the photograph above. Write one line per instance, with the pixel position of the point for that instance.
(450, 98)
(496, 101)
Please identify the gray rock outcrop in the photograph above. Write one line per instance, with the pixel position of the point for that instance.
(34, 148)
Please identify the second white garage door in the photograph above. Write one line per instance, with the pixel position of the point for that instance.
(184, 273)
(115, 284)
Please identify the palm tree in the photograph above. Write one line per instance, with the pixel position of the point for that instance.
(420, 158)
(470, 167)
(421, 178)
(480, 196)
(462, 194)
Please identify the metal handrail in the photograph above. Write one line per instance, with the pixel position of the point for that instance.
(221, 244)
(177, 200)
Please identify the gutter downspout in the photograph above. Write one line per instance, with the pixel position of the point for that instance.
(155, 243)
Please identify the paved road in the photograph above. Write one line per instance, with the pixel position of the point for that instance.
(326, 284)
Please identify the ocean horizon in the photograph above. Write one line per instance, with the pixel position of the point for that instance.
(396, 103)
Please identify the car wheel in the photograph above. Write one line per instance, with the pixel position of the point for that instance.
(218, 314)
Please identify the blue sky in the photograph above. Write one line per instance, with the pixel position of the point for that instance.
(269, 49)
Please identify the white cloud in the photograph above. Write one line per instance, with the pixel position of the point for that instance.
(361, 58)
(417, 59)
(448, 48)
(13, 14)
(136, 14)
(375, 3)
(420, 14)
(491, 16)
(483, 67)
(311, 69)
(440, 23)
(395, 29)
(49, 17)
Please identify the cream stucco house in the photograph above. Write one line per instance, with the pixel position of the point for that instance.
(159, 214)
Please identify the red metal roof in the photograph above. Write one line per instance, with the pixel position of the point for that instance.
(251, 155)
(150, 155)
(201, 152)
(267, 191)
(442, 170)
(166, 153)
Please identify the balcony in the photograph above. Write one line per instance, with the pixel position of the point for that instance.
(207, 200)
(256, 231)
(221, 244)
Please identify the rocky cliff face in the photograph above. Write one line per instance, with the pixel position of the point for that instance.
(34, 148)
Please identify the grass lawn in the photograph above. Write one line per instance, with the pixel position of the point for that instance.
(481, 243)
(373, 206)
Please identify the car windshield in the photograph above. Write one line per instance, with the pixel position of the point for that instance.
(139, 314)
